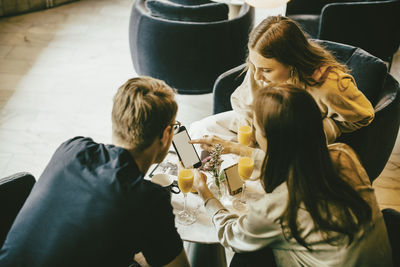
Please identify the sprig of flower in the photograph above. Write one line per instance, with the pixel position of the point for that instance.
(214, 161)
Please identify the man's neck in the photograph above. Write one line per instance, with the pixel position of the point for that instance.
(144, 159)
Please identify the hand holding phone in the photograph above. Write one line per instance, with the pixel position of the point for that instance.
(186, 152)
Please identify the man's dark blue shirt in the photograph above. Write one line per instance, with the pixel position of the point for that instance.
(92, 207)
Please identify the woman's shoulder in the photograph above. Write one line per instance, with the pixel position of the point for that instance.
(270, 207)
(341, 148)
(336, 83)
(343, 154)
(330, 72)
(338, 78)
(346, 161)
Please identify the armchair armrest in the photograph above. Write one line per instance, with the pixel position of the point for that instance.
(14, 190)
(224, 86)
(392, 221)
(389, 93)
(374, 143)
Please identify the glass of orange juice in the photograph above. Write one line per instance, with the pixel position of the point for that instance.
(245, 134)
(245, 169)
(185, 183)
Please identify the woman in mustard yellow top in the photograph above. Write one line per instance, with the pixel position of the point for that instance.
(279, 52)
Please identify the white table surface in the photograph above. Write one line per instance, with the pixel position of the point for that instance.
(230, 2)
(203, 230)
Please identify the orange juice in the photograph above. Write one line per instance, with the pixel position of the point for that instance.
(244, 135)
(185, 180)
(245, 167)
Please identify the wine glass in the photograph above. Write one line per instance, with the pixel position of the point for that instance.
(245, 169)
(245, 134)
(185, 183)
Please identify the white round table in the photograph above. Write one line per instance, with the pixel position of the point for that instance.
(201, 236)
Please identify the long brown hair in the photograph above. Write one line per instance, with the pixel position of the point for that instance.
(298, 155)
(282, 39)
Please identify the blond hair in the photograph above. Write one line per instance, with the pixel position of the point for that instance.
(143, 107)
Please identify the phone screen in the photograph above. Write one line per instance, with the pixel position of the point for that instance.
(233, 179)
(186, 151)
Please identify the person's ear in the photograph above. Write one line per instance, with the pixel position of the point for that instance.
(166, 134)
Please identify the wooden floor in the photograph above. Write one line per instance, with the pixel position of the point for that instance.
(59, 69)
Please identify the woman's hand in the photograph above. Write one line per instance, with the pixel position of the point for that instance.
(200, 180)
(207, 143)
(199, 184)
(139, 258)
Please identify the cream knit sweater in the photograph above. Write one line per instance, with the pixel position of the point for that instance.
(261, 227)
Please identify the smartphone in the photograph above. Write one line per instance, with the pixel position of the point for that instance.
(186, 152)
(233, 179)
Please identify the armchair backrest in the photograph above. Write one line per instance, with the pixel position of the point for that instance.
(309, 7)
(14, 190)
(373, 26)
(392, 221)
(188, 56)
(374, 143)
(170, 10)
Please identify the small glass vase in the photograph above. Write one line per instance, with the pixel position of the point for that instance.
(219, 188)
(215, 187)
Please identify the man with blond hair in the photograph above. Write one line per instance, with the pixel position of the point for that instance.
(91, 206)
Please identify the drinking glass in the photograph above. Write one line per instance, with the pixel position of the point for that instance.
(185, 183)
(245, 134)
(245, 169)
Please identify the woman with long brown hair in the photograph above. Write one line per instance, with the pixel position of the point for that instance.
(280, 52)
(319, 208)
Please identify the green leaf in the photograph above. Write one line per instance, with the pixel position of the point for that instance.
(222, 176)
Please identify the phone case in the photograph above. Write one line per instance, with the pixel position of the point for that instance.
(233, 180)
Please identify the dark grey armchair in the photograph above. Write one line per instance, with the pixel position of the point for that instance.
(392, 221)
(14, 190)
(374, 143)
(186, 47)
(370, 25)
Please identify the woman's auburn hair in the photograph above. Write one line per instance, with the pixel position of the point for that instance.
(143, 107)
(282, 39)
(297, 154)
